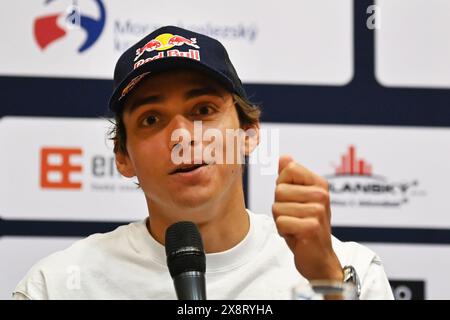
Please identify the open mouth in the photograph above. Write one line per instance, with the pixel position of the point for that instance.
(188, 168)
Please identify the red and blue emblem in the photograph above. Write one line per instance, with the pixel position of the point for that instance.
(47, 30)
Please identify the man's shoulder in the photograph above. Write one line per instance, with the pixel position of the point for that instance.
(94, 244)
(348, 252)
(83, 254)
(369, 267)
(355, 254)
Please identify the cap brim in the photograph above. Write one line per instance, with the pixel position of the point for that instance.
(161, 65)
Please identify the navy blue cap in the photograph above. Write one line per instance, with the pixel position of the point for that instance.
(170, 48)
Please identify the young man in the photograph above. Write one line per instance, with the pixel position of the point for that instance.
(164, 84)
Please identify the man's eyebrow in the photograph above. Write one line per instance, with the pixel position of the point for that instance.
(204, 91)
(144, 100)
(191, 94)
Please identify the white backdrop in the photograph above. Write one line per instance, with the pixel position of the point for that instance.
(313, 42)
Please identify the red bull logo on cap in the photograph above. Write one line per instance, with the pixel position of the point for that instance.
(163, 43)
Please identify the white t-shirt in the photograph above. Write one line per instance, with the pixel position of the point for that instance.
(128, 263)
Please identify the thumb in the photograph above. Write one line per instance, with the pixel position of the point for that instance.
(284, 161)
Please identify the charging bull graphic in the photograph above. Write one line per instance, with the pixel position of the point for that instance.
(164, 42)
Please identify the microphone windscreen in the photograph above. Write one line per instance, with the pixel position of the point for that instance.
(184, 248)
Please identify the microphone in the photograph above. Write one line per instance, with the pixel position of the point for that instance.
(186, 260)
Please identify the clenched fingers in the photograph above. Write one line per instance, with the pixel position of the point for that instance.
(307, 228)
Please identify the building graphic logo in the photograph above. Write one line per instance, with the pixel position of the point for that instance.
(354, 183)
(50, 28)
(350, 165)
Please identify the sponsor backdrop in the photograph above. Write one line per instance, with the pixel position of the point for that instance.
(357, 90)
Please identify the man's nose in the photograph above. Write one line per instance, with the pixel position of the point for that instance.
(180, 129)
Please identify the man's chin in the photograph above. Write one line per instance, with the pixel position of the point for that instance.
(192, 200)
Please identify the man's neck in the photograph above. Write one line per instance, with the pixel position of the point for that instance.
(229, 226)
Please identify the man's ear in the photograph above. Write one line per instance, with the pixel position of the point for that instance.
(251, 138)
(124, 165)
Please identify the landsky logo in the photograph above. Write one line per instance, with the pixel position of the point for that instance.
(55, 27)
(354, 183)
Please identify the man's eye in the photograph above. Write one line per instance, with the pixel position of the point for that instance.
(150, 120)
(204, 110)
